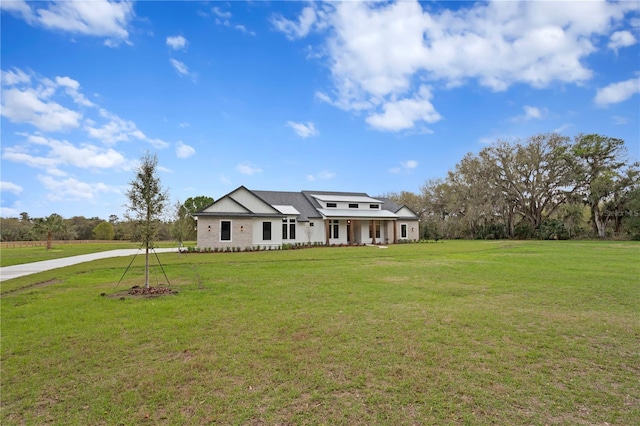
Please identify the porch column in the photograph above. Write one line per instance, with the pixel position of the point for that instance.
(327, 229)
(351, 231)
(395, 232)
(373, 231)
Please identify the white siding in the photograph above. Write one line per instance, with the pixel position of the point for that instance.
(251, 202)
(226, 205)
(276, 232)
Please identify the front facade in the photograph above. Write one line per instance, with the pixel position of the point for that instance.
(269, 219)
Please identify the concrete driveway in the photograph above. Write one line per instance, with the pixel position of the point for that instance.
(15, 271)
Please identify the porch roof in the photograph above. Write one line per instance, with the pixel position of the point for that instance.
(357, 214)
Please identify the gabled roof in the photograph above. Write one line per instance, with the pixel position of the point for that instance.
(304, 205)
(261, 209)
(390, 205)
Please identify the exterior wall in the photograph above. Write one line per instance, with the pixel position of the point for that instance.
(276, 233)
(343, 237)
(241, 232)
(413, 230)
(311, 234)
(247, 232)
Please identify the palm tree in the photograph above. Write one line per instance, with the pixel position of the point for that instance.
(50, 225)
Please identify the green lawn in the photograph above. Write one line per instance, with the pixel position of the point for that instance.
(15, 256)
(458, 332)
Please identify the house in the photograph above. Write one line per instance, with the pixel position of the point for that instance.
(269, 219)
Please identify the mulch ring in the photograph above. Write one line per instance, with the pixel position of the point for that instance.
(138, 291)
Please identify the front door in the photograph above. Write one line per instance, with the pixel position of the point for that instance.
(348, 232)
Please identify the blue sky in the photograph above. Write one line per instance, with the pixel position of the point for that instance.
(353, 96)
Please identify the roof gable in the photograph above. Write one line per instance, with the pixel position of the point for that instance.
(240, 201)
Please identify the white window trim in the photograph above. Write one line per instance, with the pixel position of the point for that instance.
(406, 226)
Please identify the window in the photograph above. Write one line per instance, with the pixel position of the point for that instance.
(403, 230)
(225, 230)
(377, 230)
(292, 229)
(334, 205)
(353, 206)
(311, 224)
(288, 229)
(335, 228)
(266, 231)
(374, 206)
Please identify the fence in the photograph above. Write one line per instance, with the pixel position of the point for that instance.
(13, 244)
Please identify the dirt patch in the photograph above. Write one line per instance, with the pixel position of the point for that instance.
(142, 292)
(30, 286)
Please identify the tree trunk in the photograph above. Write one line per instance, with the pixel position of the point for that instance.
(49, 240)
(146, 267)
(599, 223)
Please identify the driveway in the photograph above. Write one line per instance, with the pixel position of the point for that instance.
(15, 271)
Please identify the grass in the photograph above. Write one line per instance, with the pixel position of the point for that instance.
(460, 332)
(15, 256)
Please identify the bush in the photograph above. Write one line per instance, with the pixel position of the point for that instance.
(524, 231)
(552, 229)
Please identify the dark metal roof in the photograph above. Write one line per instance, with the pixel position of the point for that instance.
(295, 199)
(303, 201)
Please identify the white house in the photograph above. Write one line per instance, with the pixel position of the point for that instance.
(269, 219)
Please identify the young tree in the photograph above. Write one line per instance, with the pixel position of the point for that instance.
(52, 224)
(147, 200)
(180, 228)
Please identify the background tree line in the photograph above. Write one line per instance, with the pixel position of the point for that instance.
(180, 226)
(547, 186)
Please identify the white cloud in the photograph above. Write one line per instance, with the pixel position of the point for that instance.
(14, 77)
(304, 130)
(244, 29)
(183, 150)
(403, 114)
(179, 66)
(28, 106)
(176, 42)
(380, 54)
(621, 39)
(220, 13)
(298, 29)
(248, 169)
(23, 102)
(119, 130)
(618, 92)
(619, 120)
(18, 7)
(10, 187)
(100, 18)
(531, 113)
(72, 87)
(405, 166)
(8, 212)
(323, 175)
(63, 153)
(73, 189)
